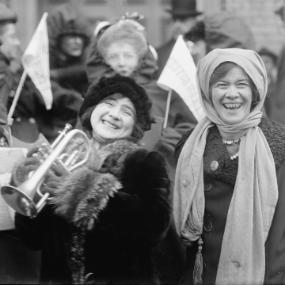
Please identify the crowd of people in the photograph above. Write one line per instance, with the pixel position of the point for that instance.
(192, 202)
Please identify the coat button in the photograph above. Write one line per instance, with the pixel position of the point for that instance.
(214, 165)
(236, 264)
(208, 187)
(185, 183)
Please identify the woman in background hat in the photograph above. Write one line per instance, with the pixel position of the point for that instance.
(229, 188)
(106, 217)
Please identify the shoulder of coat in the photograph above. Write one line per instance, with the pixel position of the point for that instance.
(275, 135)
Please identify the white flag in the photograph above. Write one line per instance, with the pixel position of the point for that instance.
(179, 74)
(36, 61)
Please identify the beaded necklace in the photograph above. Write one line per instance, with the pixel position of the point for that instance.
(231, 142)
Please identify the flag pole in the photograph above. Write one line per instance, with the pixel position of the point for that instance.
(167, 109)
(16, 98)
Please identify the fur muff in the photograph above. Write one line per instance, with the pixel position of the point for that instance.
(81, 198)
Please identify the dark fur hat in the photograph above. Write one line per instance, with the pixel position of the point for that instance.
(125, 86)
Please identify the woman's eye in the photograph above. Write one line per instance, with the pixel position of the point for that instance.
(221, 85)
(111, 57)
(128, 113)
(109, 102)
(127, 55)
(242, 84)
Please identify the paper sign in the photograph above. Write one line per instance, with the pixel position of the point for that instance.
(8, 157)
(179, 74)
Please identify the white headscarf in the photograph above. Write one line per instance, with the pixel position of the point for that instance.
(242, 258)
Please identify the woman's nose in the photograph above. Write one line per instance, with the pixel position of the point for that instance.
(115, 112)
(78, 40)
(121, 61)
(232, 92)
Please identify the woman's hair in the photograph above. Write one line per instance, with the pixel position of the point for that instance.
(223, 69)
(127, 31)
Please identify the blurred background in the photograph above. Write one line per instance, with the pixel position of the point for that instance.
(263, 16)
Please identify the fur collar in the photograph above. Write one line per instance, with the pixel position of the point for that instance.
(84, 194)
(110, 156)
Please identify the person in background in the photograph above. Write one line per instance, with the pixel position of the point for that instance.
(69, 36)
(229, 188)
(184, 16)
(30, 119)
(277, 100)
(196, 41)
(18, 264)
(270, 59)
(107, 216)
(219, 30)
(10, 66)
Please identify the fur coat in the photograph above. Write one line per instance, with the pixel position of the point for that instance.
(104, 220)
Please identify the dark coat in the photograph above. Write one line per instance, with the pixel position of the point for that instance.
(277, 98)
(119, 247)
(219, 180)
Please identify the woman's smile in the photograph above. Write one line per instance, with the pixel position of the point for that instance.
(110, 124)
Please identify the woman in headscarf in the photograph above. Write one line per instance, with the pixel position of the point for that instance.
(229, 187)
(106, 217)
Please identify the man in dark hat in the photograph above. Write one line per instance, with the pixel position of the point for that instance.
(184, 15)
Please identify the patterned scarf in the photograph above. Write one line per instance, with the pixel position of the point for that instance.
(242, 258)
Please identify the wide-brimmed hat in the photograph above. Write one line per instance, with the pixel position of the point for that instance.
(183, 8)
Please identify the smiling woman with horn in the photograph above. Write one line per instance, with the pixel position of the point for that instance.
(106, 217)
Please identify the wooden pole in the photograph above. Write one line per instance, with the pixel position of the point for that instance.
(167, 109)
(16, 98)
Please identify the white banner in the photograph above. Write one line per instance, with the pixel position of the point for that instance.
(9, 156)
(179, 74)
(36, 61)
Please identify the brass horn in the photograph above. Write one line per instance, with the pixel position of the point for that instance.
(27, 199)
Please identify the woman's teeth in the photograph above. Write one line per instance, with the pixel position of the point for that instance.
(232, 106)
